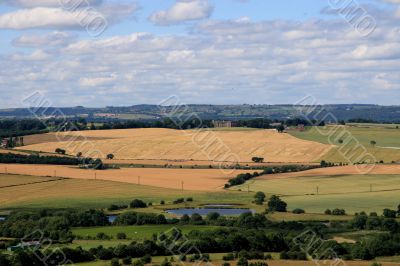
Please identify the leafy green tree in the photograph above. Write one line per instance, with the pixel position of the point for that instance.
(115, 262)
(259, 198)
(110, 156)
(275, 204)
(242, 262)
(137, 204)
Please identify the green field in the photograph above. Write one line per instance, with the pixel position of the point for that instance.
(387, 139)
(354, 193)
(137, 232)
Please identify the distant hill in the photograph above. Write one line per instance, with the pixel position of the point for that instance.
(228, 112)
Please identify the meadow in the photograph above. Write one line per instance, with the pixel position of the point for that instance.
(387, 138)
(315, 194)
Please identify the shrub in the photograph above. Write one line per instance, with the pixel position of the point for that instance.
(226, 264)
(328, 212)
(115, 262)
(338, 212)
(121, 236)
(137, 203)
(177, 201)
(298, 211)
(189, 199)
(127, 261)
(242, 262)
(228, 257)
(388, 213)
(165, 262)
(162, 202)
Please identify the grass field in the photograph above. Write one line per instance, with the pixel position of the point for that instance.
(354, 193)
(137, 232)
(387, 139)
(168, 144)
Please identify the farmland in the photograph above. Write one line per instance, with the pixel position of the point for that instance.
(387, 138)
(205, 145)
(186, 179)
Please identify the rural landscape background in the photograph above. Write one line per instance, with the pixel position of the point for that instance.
(199, 132)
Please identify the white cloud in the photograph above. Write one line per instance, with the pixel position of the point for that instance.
(52, 3)
(52, 17)
(181, 11)
(56, 38)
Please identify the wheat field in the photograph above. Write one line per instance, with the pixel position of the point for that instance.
(169, 144)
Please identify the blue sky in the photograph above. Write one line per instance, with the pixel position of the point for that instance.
(203, 51)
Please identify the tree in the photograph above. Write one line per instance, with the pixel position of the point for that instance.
(388, 213)
(259, 198)
(79, 154)
(373, 142)
(340, 141)
(281, 128)
(242, 262)
(275, 204)
(110, 156)
(137, 203)
(257, 159)
(115, 262)
(60, 151)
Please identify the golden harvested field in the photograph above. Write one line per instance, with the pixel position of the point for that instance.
(168, 144)
(193, 179)
(379, 169)
(6, 181)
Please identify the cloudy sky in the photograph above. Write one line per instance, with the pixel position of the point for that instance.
(108, 52)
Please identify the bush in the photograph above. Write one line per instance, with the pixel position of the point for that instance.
(121, 236)
(328, 212)
(127, 261)
(165, 262)
(189, 199)
(258, 263)
(115, 262)
(137, 203)
(228, 257)
(226, 264)
(338, 212)
(388, 213)
(177, 201)
(298, 211)
(242, 262)
(162, 202)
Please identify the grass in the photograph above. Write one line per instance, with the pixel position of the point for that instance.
(137, 232)
(387, 138)
(351, 192)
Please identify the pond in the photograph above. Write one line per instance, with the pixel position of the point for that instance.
(111, 218)
(2, 218)
(205, 211)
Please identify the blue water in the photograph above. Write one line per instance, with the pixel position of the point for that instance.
(111, 218)
(205, 211)
(2, 218)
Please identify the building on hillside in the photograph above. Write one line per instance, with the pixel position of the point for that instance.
(223, 123)
(4, 143)
(300, 127)
(34, 245)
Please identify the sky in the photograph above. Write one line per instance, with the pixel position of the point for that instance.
(98, 53)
